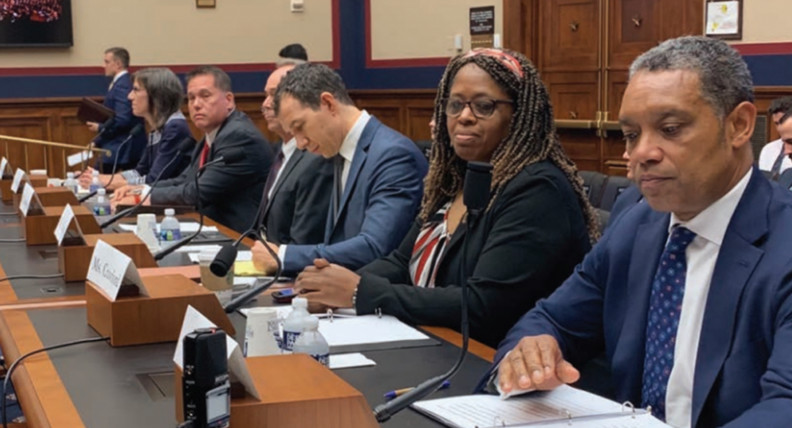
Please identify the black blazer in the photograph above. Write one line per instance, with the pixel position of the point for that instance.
(229, 193)
(297, 211)
(518, 252)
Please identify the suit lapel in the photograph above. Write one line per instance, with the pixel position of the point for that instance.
(736, 262)
(630, 349)
(361, 153)
(287, 169)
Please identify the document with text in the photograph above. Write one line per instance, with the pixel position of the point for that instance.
(562, 407)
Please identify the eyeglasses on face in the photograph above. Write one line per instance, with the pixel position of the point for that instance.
(481, 107)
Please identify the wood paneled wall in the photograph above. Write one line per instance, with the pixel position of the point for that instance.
(404, 110)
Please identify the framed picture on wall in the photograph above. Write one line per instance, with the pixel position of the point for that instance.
(205, 3)
(31, 23)
(724, 19)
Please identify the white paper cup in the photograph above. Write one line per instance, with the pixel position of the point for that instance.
(261, 332)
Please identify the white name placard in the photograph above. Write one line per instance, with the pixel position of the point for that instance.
(237, 367)
(78, 158)
(18, 176)
(63, 224)
(110, 268)
(27, 196)
(3, 165)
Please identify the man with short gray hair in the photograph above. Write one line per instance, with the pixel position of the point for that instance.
(689, 295)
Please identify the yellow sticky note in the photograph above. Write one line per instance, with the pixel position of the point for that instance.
(246, 268)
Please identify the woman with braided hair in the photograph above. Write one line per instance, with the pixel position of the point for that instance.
(491, 107)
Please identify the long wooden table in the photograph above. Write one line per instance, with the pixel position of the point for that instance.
(65, 388)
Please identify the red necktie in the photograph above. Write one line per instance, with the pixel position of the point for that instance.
(204, 155)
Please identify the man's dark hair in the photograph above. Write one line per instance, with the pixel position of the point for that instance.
(781, 105)
(221, 79)
(306, 82)
(294, 51)
(120, 54)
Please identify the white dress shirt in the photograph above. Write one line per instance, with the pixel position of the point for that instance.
(709, 226)
(348, 146)
(769, 154)
(116, 77)
(288, 149)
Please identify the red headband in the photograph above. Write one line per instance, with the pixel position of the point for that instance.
(507, 60)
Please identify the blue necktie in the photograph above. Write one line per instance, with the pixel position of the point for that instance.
(665, 304)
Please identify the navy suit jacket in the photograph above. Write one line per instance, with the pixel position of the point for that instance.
(380, 201)
(113, 132)
(743, 371)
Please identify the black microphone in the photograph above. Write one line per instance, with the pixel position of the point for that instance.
(136, 130)
(227, 254)
(245, 297)
(184, 148)
(229, 157)
(476, 195)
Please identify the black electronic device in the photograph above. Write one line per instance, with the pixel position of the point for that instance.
(284, 296)
(206, 387)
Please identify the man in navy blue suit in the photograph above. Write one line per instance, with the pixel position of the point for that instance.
(689, 294)
(377, 179)
(113, 132)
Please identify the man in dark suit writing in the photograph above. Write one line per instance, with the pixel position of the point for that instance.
(689, 294)
(113, 132)
(229, 193)
(377, 178)
(297, 193)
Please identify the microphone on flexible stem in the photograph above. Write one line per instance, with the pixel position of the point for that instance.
(476, 195)
(231, 156)
(83, 156)
(226, 257)
(184, 147)
(136, 130)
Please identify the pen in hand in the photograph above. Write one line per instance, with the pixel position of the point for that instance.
(390, 395)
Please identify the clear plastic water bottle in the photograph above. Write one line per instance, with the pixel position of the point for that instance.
(312, 342)
(70, 183)
(95, 184)
(102, 204)
(293, 324)
(170, 230)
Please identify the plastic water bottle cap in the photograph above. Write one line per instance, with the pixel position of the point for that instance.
(95, 173)
(101, 192)
(300, 302)
(169, 211)
(69, 175)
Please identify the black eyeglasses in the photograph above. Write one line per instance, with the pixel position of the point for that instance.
(482, 108)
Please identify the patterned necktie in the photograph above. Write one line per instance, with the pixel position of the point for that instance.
(271, 177)
(665, 304)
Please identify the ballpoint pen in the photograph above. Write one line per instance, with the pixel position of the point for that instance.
(390, 395)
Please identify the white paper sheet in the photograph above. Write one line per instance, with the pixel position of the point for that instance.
(367, 329)
(355, 359)
(185, 227)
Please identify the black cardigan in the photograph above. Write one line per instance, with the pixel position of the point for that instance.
(519, 251)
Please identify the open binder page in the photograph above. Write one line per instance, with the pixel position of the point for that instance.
(560, 407)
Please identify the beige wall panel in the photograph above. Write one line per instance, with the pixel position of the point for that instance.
(766, 21)
(423, 28)
(176, 32)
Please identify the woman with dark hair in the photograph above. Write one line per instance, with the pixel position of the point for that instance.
(156, 96)
(491, 107)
